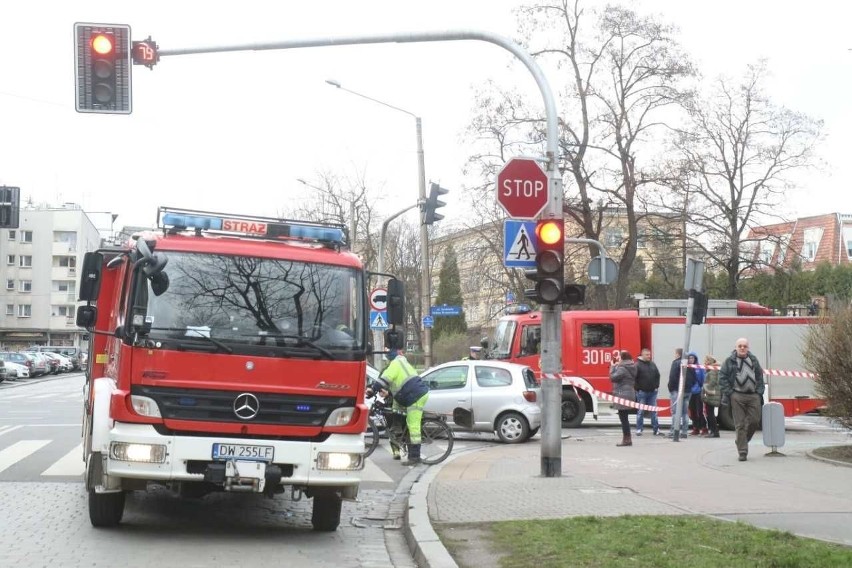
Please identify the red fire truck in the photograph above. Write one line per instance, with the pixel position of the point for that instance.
(227, 353)
(590, 337)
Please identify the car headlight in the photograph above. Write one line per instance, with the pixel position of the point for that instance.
(340, 416)
(339, 461)
(144, 453)
(145, 406)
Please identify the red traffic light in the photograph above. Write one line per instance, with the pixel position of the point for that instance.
(103, 44)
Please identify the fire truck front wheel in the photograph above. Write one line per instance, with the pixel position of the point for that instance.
(326, 513)
(573, 410)
(106, 509)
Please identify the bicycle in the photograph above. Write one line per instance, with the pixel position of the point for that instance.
(436, 441)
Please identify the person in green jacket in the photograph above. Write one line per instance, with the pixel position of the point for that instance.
(410, 392)
(711, 395)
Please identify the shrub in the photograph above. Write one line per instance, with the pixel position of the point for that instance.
(828, 352)
(450, 347)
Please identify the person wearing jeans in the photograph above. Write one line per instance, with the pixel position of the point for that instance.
(647, 385)
(674, 382)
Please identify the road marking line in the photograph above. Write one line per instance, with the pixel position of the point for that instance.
(18, 451)
(7, 429)
(70, 464)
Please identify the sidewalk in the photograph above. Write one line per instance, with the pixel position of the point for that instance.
(655, 476)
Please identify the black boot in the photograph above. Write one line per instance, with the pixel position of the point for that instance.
(626, 440)
(413, 455)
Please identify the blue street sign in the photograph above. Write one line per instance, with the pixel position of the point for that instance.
(428, 321)
(445, 310)
(378, 320)
(510, 298)
(519, 243)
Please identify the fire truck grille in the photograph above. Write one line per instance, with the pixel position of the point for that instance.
(224, 406)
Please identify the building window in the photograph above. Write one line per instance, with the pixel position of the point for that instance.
(613, 237)
(64, 286)
(26, 261)
(67, 261)
(847, 240)
(68, 237)
(641, 240)
(26, 285)
(25, 310)
(26, 236)
(11, 235)
(10, 260)
(10, 283)
(766, 249)
(812, 238)
(62, 311)
(10, 309)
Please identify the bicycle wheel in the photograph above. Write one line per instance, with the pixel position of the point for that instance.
(436, 441)
(371, 438)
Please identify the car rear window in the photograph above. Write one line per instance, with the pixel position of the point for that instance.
(493, 376)
(529, 378)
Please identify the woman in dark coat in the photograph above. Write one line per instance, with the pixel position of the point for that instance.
(622, 373)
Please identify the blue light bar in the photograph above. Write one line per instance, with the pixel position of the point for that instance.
(192, 221)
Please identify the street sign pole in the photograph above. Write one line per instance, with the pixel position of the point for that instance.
(694, 280)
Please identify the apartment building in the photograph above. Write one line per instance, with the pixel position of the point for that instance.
(807, 240)
(39, 276)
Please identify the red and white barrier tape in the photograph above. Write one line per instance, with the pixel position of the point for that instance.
(771, 372)
(566, 380)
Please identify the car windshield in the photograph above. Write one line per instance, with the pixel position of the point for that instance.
(502, 343)
(258, 301)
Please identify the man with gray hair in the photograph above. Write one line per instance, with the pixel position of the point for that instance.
(742, 386)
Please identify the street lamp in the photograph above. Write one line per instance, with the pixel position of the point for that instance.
(425, 281)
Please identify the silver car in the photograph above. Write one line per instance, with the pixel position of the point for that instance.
(486, 396)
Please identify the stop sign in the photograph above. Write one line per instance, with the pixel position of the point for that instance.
(522, 188)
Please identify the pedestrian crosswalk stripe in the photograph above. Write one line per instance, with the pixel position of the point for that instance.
(18, 451)
(372, 472)
(7, 429)
(70, 464)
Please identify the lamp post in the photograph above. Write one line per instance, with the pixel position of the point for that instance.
(425, 281)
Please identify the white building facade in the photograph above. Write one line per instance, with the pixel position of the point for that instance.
(39, 276)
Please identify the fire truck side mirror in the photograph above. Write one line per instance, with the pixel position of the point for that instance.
(86, 317)
(396, 302)
(159, 283)
(90, 278)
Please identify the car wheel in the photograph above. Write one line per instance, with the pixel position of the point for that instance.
(512, 428)
(573, 410)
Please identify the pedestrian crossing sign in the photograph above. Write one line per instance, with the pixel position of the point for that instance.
(378, 320)
(519, 243)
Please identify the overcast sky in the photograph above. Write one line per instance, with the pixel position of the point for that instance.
(234, 132)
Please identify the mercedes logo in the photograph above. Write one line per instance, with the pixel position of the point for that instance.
(246, 406)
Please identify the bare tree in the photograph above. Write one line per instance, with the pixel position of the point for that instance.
(618, 76)
(737, 158)
(348, 201)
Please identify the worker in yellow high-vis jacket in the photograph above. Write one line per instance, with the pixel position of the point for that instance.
(410, 392)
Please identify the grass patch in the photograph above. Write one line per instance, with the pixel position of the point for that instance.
(658, 541)
(837, 453)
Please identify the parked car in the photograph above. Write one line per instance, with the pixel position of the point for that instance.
(36, 365)
(51, 363)
(17, 371)
(4, 373)
(65, 363)
(486, 396)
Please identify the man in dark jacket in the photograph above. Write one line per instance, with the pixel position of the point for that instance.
(647, 385)
(742, 386)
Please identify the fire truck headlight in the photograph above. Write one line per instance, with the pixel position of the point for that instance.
(146, 453)
(339, 461)
(340, 416)
(145, 406)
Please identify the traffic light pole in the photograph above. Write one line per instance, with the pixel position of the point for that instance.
(551, 361)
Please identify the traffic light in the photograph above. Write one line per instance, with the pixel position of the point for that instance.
(699, 306)
(575, 295)
(102, 73)
(433, 203)
(10, 207)
(550, 261)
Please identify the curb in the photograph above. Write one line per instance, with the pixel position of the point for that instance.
(813, 456)
(426, 547)
(20, 382)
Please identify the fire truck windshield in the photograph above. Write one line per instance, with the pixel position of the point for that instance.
(258, 301)
(502, 344)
